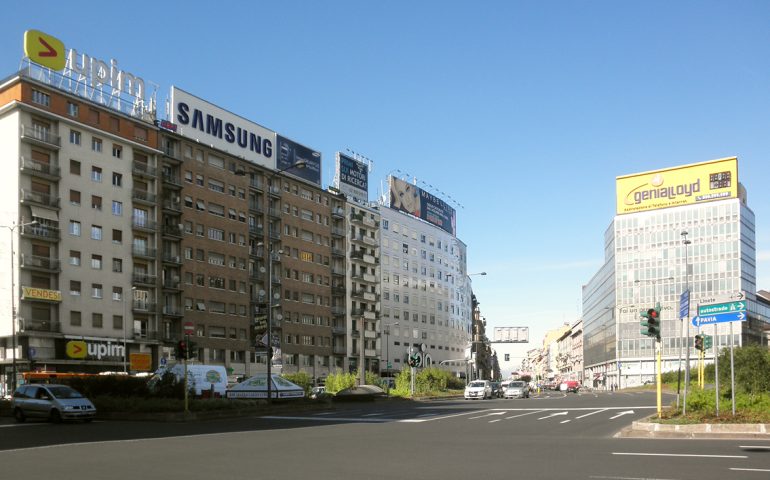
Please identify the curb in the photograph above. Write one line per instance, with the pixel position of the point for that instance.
(644, 429)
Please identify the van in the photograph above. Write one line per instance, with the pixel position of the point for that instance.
(202, 378)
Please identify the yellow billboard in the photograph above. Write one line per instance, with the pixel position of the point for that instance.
(32, 293)
(674, 187)
(44, 49)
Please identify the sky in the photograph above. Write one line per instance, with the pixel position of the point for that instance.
(521, 114)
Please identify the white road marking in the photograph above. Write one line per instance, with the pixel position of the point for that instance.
(643, 454)
(22, 425)
(766, 447)
(374, 414)
(565, 421)
(750, 469)
(627, 412)
(523, 414)
(553, 415)
(487, 415)
(625, 478)
(324, 413)
(592, 413)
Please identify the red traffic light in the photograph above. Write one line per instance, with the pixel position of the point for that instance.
(652, 313)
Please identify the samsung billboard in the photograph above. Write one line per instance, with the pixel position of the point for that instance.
(413, 200)
(208, 124)
(352, 177)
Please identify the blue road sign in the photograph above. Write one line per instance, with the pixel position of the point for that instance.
(701, 320)
(684, 304)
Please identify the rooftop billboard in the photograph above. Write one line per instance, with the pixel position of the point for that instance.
(413, 200)
(352, 177)
(673, 187)
(290, 152)
(202, 121)
(511, 334)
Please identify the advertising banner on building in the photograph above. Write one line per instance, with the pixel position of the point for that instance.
(413, 200)
(352, 177)
(673, 187)
(206, 123)
(289, 153)
(511, 334)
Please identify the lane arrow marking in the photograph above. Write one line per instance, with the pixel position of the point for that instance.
(626, 412)
(553, 415)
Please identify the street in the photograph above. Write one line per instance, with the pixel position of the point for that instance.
(551, 435)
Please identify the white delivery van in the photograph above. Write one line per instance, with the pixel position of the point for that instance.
(200, 377)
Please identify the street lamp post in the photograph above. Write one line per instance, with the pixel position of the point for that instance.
(125, 321)
(299, 165)
(387, 343)
(682, 324)
(12, 229)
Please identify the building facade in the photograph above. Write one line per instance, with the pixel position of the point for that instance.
(700, 237)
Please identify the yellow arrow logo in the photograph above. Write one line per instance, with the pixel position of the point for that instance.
(44, 49)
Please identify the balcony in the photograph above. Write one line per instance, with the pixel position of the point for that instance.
(141, 169)
(143, 196)
(172, 206)
(370, 315)
(144, 278)
(40, 136)
(369, 352)
(338, 311)
(257, 252)
(172, 231)
(142, 251)
(357, 217)
(172, 284)
(338, 330)
(274, 212)
(174, 259)
(143, 307)
(44, 264)
(256, 207)
(371, 223)
(43, 199)
(257, 276)
(338, 232)
(274, 190)
(275, 235)
(32, 325)
(41, 232)
(171, 180)
(256, 230)
(40, 169)
(359, 293)
(370, 334)
(367, 277)
(276, 280)
(340, 350)
(370, 297)
(338, 290)
(338, 212)
(142, 223)
(336, 252)
(172, 152)
(171, 311)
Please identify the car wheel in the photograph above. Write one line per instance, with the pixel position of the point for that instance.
(19, 415)
(55, 416)
(88, 420)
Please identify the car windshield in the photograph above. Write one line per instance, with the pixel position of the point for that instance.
(64, 392)
(476, 384)
(516, 384)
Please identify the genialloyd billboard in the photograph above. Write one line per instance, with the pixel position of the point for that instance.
(673, 187)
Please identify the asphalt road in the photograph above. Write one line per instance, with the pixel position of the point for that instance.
(549, 436)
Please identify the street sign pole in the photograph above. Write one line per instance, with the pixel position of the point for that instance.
(716, 369)
(732, 369)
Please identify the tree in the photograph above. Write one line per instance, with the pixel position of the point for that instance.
(752, 369)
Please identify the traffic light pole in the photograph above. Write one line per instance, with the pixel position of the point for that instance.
(659, 380)
(186, 389)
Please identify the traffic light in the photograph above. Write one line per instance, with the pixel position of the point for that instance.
(192, 350)
(415, 360)
(181, 349)
(651, 322)
(707, 342)
(699, 342)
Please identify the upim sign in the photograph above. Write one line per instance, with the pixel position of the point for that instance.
(83, 349)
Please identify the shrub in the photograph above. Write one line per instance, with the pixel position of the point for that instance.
(300, 378)
(339, 380)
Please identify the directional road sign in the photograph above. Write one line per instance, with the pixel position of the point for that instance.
(701, 320)
(718, 308)
(684, 304)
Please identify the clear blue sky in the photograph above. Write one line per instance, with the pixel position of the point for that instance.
(523, 112)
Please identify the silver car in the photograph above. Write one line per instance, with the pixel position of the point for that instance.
(517, 390)
(52, 402)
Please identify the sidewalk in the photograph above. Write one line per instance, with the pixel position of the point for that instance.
(733, 431)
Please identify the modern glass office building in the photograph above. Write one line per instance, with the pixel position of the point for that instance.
(685, 228)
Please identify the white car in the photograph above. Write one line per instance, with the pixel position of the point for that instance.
(478, 389)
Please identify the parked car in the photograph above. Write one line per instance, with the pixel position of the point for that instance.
(517, 389)
(51, 401)
(317, 393)
(478, 389)
(569, 386)
(497, 389)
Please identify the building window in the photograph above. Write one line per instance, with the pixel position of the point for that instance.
(74, 258)
(96, 202)
(96, 232)
(117, 236)
(140, 133)
(96, 320)
(74, 197)
(115, 124)
(74, 167)
(75, 288)
(96, 262)
(96, 290)
(41, 98)
(117, 151)
(93, 115)
(73, 109)
(117, 322)
(74, 137)
(117, 179)
(117, 265)
(74, 228)
(117, 208)
(96, 144)
(75, 318)
(96, 174)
